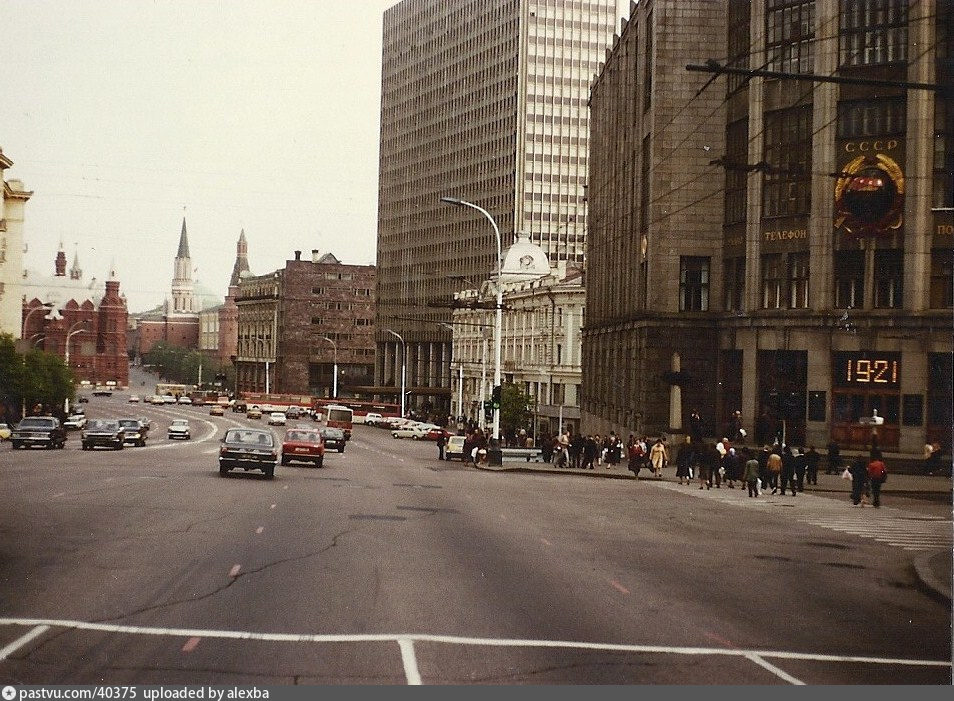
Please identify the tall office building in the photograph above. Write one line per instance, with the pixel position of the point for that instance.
(483, 100)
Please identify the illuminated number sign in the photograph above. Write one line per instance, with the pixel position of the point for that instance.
(863, 369)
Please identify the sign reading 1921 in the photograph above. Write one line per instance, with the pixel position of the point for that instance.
(870, 369)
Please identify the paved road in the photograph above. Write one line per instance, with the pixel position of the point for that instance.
(389, 567)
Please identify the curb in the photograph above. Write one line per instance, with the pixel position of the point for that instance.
(929, 566)
(518, 467)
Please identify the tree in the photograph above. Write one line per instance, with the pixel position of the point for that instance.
(516, 409)
(35, 378)
(11, 378)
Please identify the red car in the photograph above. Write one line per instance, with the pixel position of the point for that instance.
(304, 445)
(436, 433)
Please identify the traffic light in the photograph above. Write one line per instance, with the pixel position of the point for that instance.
(495, 396)
(488, 411)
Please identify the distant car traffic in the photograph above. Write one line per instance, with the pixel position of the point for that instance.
(106, 433)
(334, 438)
(248, 449)
(75, 421)
(134, 432)
(216, 410)
(304, 445)
(179, 428)
(277, 418)
(44, 431)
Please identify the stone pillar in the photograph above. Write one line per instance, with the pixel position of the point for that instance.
(753, 210)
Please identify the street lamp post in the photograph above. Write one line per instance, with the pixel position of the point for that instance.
(69, 334)
(403, 365)
(498, 322)
(46, 306)
(334, 380)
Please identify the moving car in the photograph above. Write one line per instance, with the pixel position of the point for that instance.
(134, 398)
(293, 412)
(44, 431)
(5, 432)
(248, 449)
(179, 428)
(168, 399)
(133, 431)
(82, 399)
(303, 444)
(414, 430)
(102, 432)
(146, 421)
(75, 421)
(436, 432)
(254, 413)
(102, 392)
(216, 410)
(276, 418)
(334, 438)
(455, 448)
(184, 400)
(156, 399)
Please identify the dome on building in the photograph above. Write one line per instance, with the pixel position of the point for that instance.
(524, 260)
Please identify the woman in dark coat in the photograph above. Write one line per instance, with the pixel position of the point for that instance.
(859, 478)
(683, 460)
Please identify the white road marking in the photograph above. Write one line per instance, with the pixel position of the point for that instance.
(272, 506)
(619, 587)
(461, 640)
(23, 640)
(191, 644)
(235, 570)
(410, 662)
(775, 670)
(58, 494)
(260, 529)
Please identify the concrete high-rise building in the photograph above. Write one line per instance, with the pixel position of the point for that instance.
(13, 197)
(484, 101)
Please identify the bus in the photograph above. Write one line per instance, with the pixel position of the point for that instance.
(360, 407)
(337, 416)
(167, 389)
(275, 402)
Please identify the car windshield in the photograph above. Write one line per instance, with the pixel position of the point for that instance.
(36, 423)
(332, 432)
(180, 423)
(307, 436)
(249, 437)
(103, 424)
(129, 422)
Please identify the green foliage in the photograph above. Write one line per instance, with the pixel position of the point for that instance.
(181, 365)
(37, 377)
(516, 409)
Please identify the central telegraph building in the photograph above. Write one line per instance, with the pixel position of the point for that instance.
(823, 296)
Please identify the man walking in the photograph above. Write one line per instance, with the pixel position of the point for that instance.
(441, 445)
(877, 474)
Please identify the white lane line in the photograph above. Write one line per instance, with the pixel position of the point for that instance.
(210, 451)
(22, 640)
(775, 670)
(410, 662)
(191, 644)
(460, 640)
(59, 494)
(260, 529)
(235, 570)
(545, 541)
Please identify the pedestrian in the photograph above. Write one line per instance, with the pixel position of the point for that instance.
(695, 428)
(859, 478)
(657, 457)
(683, 461)
(751, 474)
(932, 458)
(834, 459)
(877, 475)
(708, 465)
(812, 459)
(773, 466)
(441, 444)
(788, 472)
(801, 466)
(590, 449)
(562, 458)
(731, 463)
(576, 450)
(546, 447)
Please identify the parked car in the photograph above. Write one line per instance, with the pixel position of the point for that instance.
(216, 410)
(248, 449)
(373, 418)
(45, 431)
(134, 398)
(455, 448)
(415, 430)
(184, 400)
(102, 432)
(254, 413)
(133, 432)
(75, 421)
(334, 438)
(303, 444)
(277, 418)
(5, 432)
(179, 428)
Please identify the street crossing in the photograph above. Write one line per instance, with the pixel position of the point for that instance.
(889, 525)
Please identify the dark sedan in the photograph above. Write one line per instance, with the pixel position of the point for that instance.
(133, 432)
(44, 431)
(334, 438)
(103, 432)
(248, 449)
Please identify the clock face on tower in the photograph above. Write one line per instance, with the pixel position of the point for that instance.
(526, 262)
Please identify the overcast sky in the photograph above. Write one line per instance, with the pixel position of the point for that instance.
(254, 114)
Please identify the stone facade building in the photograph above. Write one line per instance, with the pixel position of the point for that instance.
(795, 264)
(12, 201)
(285, 316)
(486, 102)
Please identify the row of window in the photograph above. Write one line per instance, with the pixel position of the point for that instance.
(357, 291)
(318, 321)
(785, 277)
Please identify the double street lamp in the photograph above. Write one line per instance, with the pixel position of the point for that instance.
(403, 365)
(70, 334)
(498, 322)
(334, 381)
(46, 306)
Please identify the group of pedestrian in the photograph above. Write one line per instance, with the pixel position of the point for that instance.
(867, 477)
(645, 453)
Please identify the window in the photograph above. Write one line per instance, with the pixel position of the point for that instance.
(788, 148)
(317, 320)
(736, 176)
(648, 65)
(849, 279)
(943, 187)
(772, 281)
(942, 278)
(362, 322)
(873, 33)
(317, 290)
(861, 118)
(693, 284)
(734, 286)
(888, 279)
(644, 185)
(739, 43)
(789, 35)
(798, 280)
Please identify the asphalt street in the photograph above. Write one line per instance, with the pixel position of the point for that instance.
(387, 566)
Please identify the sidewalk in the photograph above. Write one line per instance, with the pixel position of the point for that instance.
(929, 494)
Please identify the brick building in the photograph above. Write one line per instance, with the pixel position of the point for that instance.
(284, 317)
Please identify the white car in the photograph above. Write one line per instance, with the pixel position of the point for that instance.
(372, 418)
(179, 428)
(277, 418)
(156, 399)
(133, 398)
(415, 430)
(184, 400)
(76, 421)
(168, 399)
